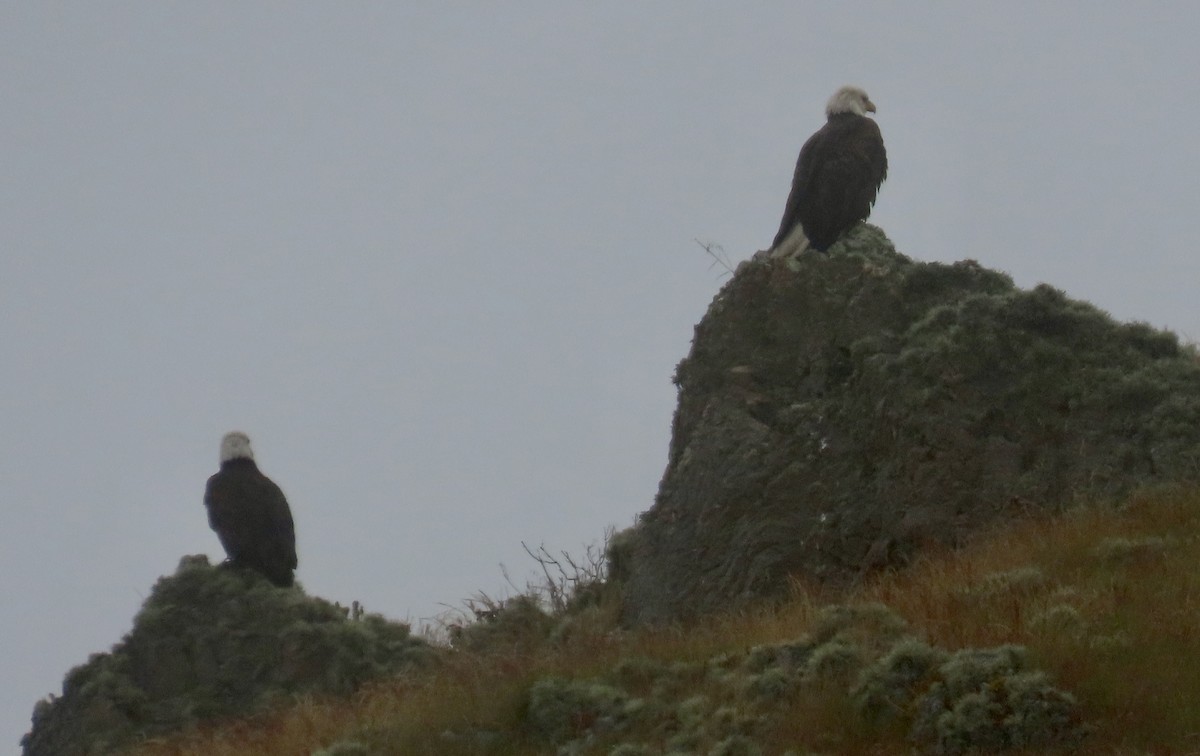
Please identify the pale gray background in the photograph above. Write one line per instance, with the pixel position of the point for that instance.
(437, 259)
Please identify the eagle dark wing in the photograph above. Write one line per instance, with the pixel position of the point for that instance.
(225, 515)
(252, 520)
(837, 180)
(277, 548)
(801, 179)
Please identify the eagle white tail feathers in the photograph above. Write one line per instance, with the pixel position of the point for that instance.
(792, 246)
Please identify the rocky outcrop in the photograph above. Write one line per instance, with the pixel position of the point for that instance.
(840, 411)
(215, 642)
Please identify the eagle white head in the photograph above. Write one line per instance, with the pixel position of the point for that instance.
(849, 100)
(235, 445)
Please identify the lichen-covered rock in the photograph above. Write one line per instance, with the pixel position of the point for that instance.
(840, 411)
(212, 642)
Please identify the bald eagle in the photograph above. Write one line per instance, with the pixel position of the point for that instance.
(837, 175)
(250, 514)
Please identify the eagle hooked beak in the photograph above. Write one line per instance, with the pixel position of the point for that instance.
(870, 107)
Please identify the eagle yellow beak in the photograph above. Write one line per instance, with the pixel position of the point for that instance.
(870, 107)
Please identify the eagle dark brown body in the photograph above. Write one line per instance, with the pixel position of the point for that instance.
(838, 173)
(250, 514)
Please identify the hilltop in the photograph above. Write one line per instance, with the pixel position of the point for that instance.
(840, 413)
(907, 507)
(212, 643)
(1061, 634)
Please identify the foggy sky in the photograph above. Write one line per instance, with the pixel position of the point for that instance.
(440, 261)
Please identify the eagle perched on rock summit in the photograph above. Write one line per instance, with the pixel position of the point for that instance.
(837, 176)
(250, 514)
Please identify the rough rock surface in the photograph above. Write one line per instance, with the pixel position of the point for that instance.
(839, 411)
(213, 642)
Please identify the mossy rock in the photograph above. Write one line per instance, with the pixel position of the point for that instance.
(840, 412)
(213, 642)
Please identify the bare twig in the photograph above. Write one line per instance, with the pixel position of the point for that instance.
(563, 576)
(717, 253)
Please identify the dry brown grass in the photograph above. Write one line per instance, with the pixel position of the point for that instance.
(1128, 575)
(1105, 598)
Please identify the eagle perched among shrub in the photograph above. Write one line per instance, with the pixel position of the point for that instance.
(250, 514)
(837, 176)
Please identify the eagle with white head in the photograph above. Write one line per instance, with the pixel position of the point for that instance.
(250, 514)
(837, 178)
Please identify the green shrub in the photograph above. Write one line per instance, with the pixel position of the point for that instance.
(736, 745)
(886, 689)
(693, 712)
(985, 701)
(773, 683)
(519, 622)
(560, 710)
(1061, 619)
(1118, 551)
(874, 620)
(833, 663)
(792, 655)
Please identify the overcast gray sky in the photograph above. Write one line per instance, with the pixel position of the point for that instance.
(438, 259)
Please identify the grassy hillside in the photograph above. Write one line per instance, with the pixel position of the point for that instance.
(1104, 600)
